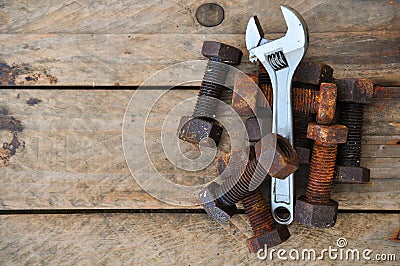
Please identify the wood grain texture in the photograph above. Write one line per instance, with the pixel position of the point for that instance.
(175, 239)
(172, 16)
(123, 42)
(73, 156)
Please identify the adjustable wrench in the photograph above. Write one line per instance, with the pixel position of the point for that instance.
(280, 58)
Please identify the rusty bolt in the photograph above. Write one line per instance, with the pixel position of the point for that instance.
(270, 148)
(353, 95)
(258, 211)
(196, 130)
(212, 86)
(245, 94)
(266, 230)
(305, 93)
(316, 208)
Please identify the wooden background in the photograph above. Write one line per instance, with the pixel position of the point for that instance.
(67, 196)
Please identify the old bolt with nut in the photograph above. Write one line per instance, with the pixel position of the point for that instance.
(274, 156)
(353, 95)
(308, 100)
(202, 125)
(316, 208)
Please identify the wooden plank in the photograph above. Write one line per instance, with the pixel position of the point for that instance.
(72, 157)
(386, 92)
(178, 239)
(128, 59)
(169, 16)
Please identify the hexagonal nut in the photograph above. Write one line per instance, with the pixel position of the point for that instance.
(257, 127)
(223, 52)
(197, 129)
(326, 103)
(352, 174)
(333, 134)
(213, 206)
(276, 236)
(245, 94)
(276, 155)
(237, 158)
(312, 73)
(355, 90)
(316, 214)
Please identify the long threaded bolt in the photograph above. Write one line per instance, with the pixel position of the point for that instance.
(258, 212)
(265, 230)
(321, 175)
(202, 126)
(237, 187)
(351, 115)
(316, 208)
(353, 95)
(211, 88)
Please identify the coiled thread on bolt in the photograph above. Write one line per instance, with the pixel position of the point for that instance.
(300, 125)
(237, 187)
(305, 100)
(265, 83)
(322, 169)
(211, 89)
(351, 115)
(258, 212)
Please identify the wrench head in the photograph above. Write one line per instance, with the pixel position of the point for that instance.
(296, 37)
(254, 33)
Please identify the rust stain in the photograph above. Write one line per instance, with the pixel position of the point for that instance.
(380, 107)
(33, 101)
(24, 75)
(396, 236)
(14, 126)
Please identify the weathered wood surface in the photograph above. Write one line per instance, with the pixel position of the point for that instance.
(73, 155)
(120, 42)
(177, 239)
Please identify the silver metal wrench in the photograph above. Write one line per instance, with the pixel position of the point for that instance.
(280, 58)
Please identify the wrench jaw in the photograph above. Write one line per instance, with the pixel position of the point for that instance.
(280, 58)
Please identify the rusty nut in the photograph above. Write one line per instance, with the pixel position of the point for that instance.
(352, 174)
(312, 73)
(333, 134)
(222, 52)
(326, 103)
(276, 155)
(245, 94)
(272, 238)
(355, 90)
(316, 214)
(197, 129)
(213, 206)
(257, 127)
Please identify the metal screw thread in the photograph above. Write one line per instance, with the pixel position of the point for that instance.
(305, 100)
(322, 170)
(237, 187)
(300, 125)
(258, 212)
(265, 83)
(211, 89)
(351, 115)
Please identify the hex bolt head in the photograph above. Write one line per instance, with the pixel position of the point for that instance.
(271, 238)
(316, 214)
(355, 90)
(196, 130)
(352, 174)
(245, 94)
(222, 52)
